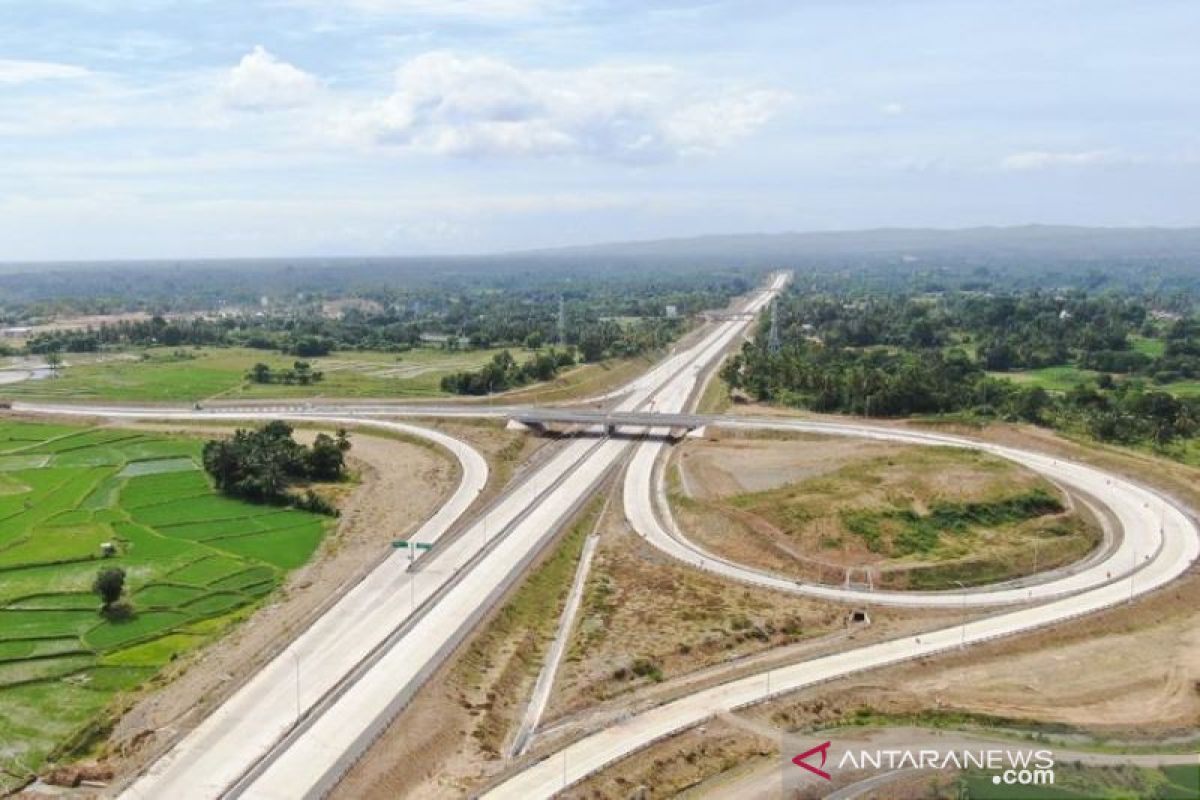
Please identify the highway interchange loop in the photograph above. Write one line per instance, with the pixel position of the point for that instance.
(363, 660)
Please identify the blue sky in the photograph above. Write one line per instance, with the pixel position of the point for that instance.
(147, 128)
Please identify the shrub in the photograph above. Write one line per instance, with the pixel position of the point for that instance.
(118, 612)
(647, 668)
(311, 501)
(109, 585)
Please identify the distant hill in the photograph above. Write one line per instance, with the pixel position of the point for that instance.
(1036, 241)
(1147, 259)
(1143, 259)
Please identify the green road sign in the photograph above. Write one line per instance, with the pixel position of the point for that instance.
(400, 544)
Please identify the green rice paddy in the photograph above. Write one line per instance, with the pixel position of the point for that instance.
(195, 562)
(160, 374)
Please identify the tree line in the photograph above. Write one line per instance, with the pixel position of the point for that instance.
(395, 319)
(904, 355)
(503, 372)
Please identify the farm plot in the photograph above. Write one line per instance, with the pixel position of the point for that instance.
(194, 561)
(161, 374)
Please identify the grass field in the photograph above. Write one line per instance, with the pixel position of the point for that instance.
(1078, 782)
(1151, 347)
(193, 375)
(168, 374)
(195, 562)
(1052, 379)
(920, 518)
(1063, 379)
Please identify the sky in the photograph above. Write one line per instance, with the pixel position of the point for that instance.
(255, 128)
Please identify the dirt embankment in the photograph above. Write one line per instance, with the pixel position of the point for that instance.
(649, 628)
(646, 620)
(898, 516)
(1126, 676)
(1092, 678)
(180, 696)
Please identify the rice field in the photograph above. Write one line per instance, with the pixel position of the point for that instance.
(212, 373)
(206, 373)
(195, 562)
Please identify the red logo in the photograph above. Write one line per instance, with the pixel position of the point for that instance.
(823, 749)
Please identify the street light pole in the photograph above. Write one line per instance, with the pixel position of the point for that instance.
(962, 643)
(1132, 570)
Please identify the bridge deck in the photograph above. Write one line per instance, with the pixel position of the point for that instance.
(543, 417)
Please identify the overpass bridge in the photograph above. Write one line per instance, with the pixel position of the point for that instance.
(541, 419)
(727, 316)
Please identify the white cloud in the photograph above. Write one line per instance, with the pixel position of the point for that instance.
(260, 81)
(477, 106)
(16, 72)
(893, 109)
(1044, 159)
(478, 9)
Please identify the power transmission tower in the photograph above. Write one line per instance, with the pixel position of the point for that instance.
(773, 340)
(562, 322)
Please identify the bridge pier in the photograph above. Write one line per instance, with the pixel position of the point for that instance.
(532, 426)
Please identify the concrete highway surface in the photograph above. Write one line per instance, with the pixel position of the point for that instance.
(296, 727)
(246, 726)
(1147, 518)
(302, 721)
(315, 759)
(1160, 538)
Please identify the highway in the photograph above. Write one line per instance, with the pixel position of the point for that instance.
(246, 726)
(1169, 535)
(313, 761)
(297, 726)
(1130, 504)
(293, 729)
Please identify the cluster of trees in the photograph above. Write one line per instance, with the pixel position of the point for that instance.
(1127, 413)
(1009, 331)
(609, 339)
(301, 373)
(890, 383)
(308, 346)
(503, 372)
(260, 465)
(1181, 352)
(900, 354)
(156, 331)
(876, 381)
(505, 310)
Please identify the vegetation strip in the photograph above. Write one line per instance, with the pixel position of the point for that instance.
(68, 653)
